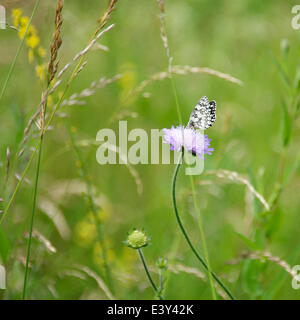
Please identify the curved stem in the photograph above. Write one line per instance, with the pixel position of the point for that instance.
(148, 274)
(201, 260)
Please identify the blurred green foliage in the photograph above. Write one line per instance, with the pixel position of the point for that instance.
(256, 134)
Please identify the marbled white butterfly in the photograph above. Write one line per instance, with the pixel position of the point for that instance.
(203, 115)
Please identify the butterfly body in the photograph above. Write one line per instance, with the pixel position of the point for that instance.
(204, 114)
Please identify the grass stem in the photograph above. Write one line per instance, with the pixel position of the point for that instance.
(32, 220)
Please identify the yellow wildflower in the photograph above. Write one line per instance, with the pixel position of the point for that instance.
(126, 259)
(60, 94)
(128, 80)
(22, 31)
(90, 217)
(41, 52)
(73, 128)
(24, 21)
(50, 101)
(32, 30)
(85, 233)
(30, 55)
(129, 76)
(103, 215)
(128, 256)
(33, 41)
(78, 164)
(16, 14)
(98, 254)
(68, 145)
(40, 71)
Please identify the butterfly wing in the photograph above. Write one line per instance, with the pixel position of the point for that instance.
(213, 111)
(203, 115)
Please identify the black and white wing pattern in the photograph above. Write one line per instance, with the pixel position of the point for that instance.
(203, 115)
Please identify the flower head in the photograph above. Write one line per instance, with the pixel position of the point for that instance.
(41, 52)
(33, 41)
(41, 71)
(137, 239)
(193, 141)
(30, 55)
(16, 15)
(162, 264)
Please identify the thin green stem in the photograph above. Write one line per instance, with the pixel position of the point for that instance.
(201, 260)
(12, 66)
(44, 105)
(148, 274)
(32, 219)
(19, 184)
(161, 282)
(213, 291)
(176, 99)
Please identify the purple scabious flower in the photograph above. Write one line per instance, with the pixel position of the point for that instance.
(189, 139)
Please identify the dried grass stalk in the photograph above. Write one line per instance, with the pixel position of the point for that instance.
(257, 255)
(163, 32)
(189, 69)
(103, 20)
(52, 69)
(56, 215)
(76, 98)
(92, 43)
(98, 279)
(236, 177)
(99, 46)
(183, 70)
(70, 101)
(56, 41)
(123, 115)
(48, 245)
(7, 163)
(79, 69)
(178, 267)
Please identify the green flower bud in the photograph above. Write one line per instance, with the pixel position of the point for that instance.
(162, 263)
(137, 239)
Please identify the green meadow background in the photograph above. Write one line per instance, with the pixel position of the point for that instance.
(256, 134)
